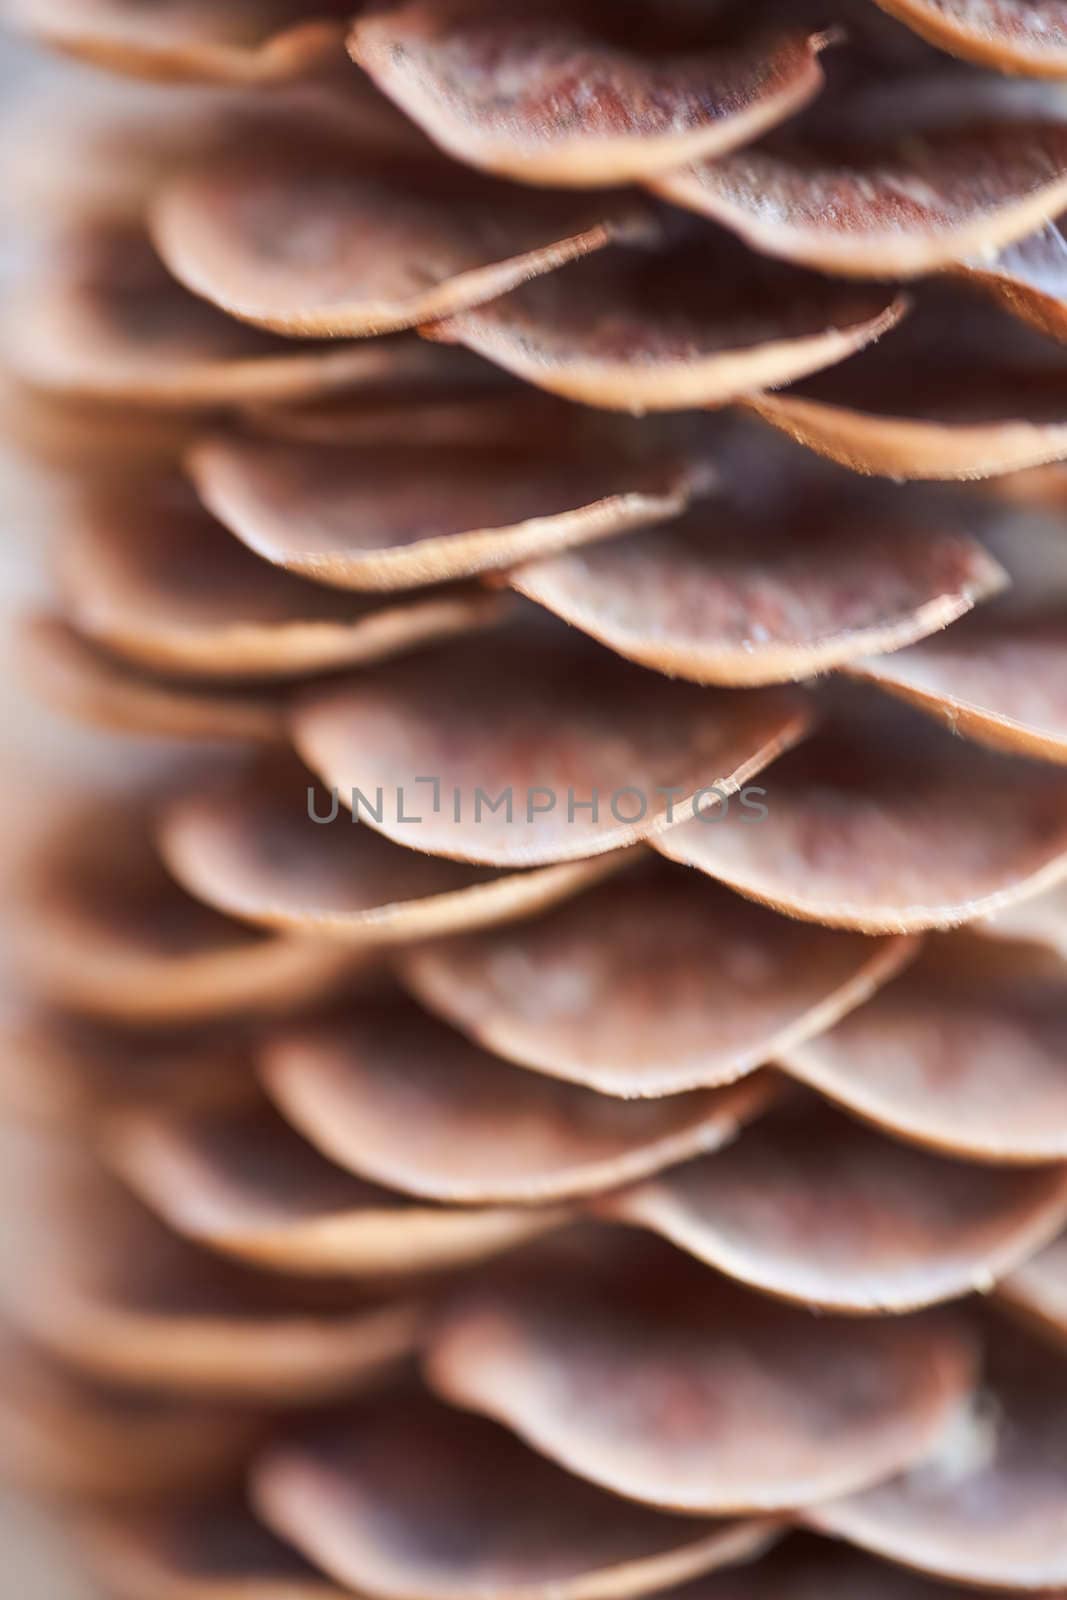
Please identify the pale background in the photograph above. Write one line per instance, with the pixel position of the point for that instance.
(37, 754)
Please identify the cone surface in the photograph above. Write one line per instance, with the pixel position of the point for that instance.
(554, 1089)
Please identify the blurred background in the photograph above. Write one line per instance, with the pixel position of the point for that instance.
(39, 754)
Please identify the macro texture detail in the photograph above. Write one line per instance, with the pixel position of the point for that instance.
(537, 1048)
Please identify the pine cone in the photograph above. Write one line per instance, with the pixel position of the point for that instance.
(634, 1157)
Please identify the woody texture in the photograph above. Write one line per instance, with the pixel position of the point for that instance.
(536, 1066)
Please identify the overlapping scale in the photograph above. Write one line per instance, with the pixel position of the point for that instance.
(264, 848)
(148, 575)
(317, 249)
(66, 1072)
(716, 600)
(617, 990)
(963, 1054)
(199, 1552)
(687, 326)
(990, 400)
(104, 931)
(75, 677)
(65, 1436)
(635, 1368)
(999, 683)
(594, 754)
(68, 434)
(1029, 278)
(108, 322)
(563, 95)
(360, 515)
(402, 1100)
(408, 1499)
(245, 1184)
(132, 1551)
(1025, 36)
(808, 1206)
(986, 1507)
(897, 208)
(885, 824)
(104, 1288)
(251, 41)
